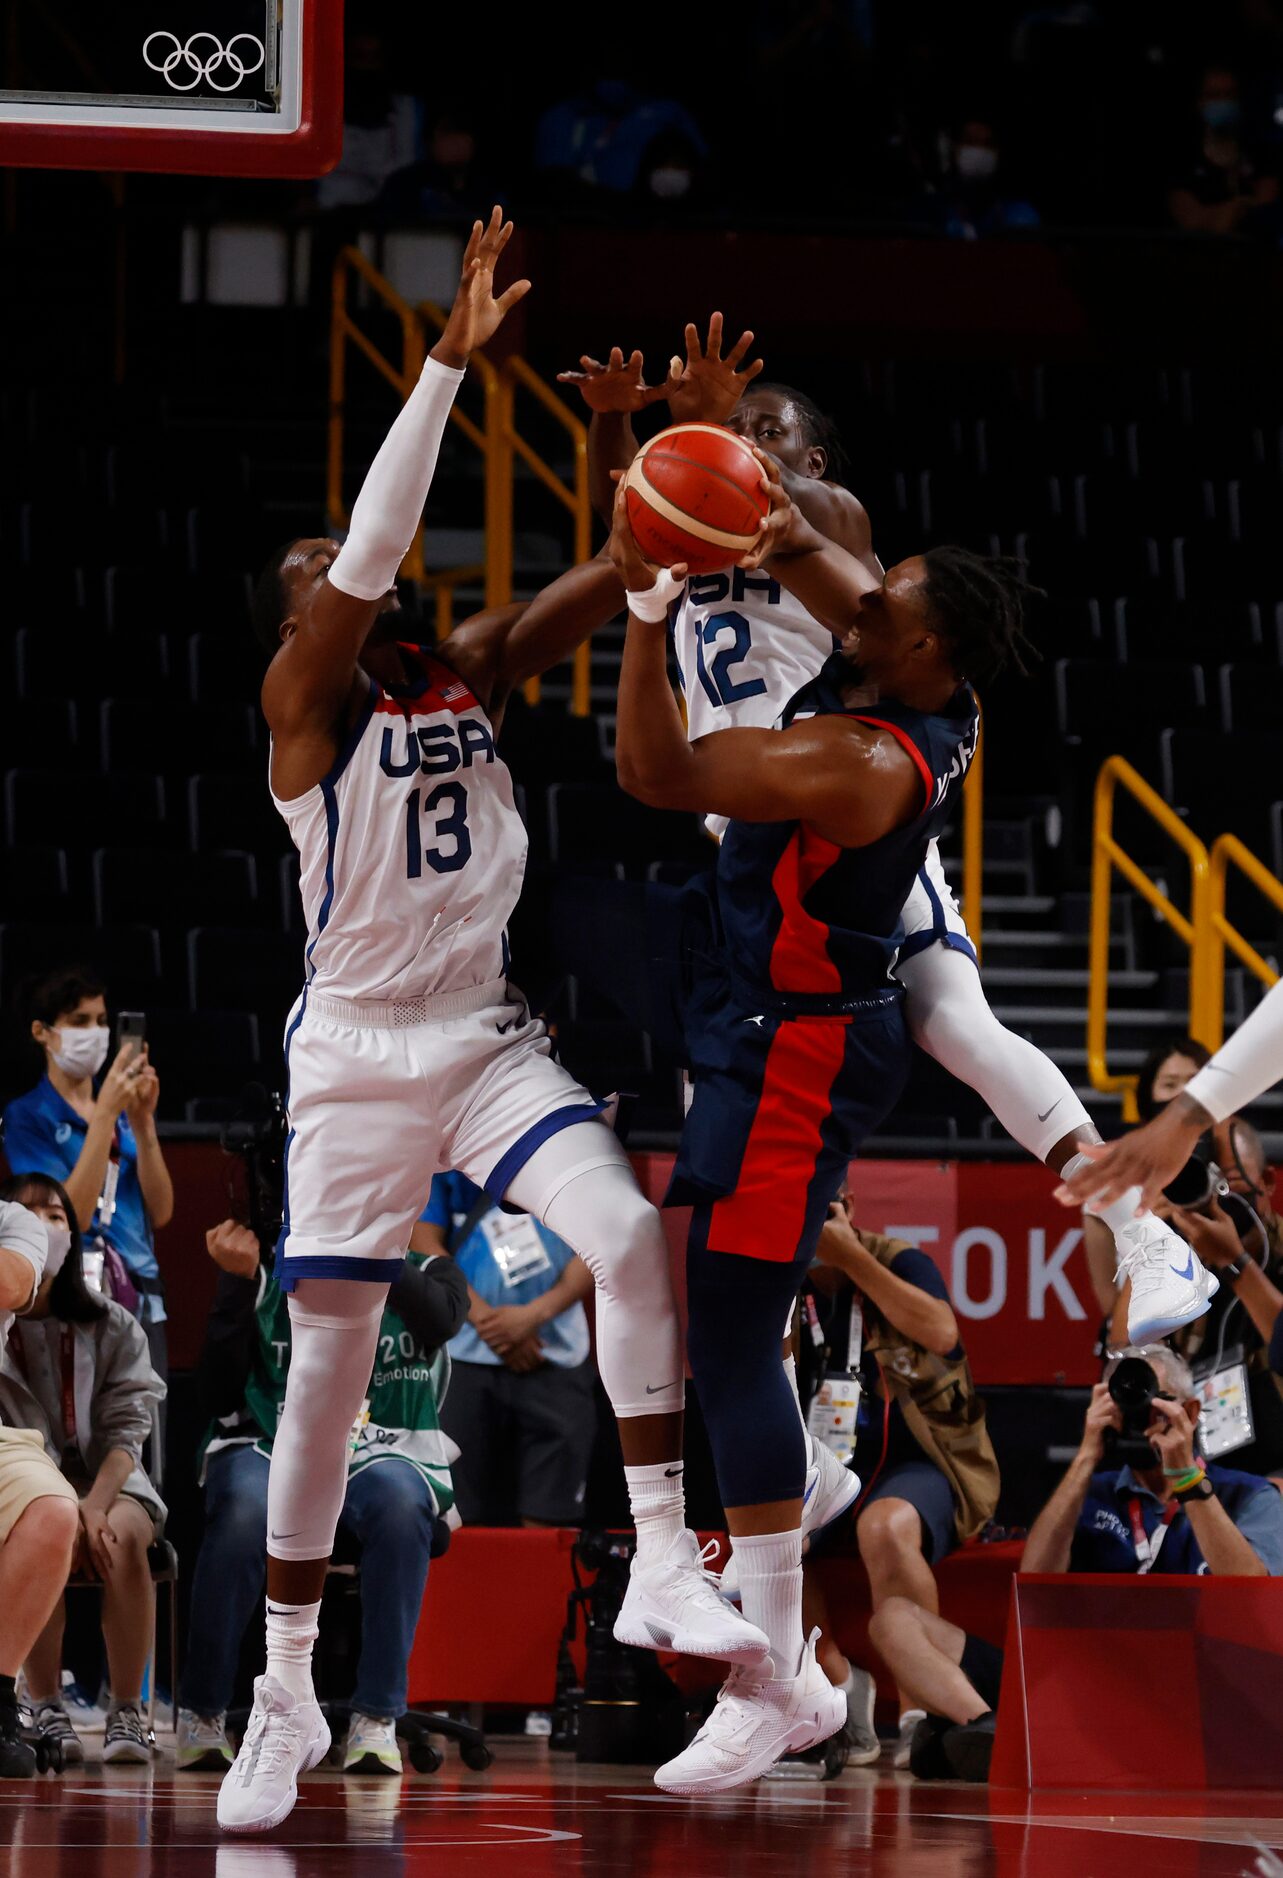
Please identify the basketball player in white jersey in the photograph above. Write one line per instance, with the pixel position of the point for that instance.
(744, 646)
(408, 1052)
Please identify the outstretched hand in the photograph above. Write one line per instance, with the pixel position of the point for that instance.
(617, 386)
(476, 314)
(707, 387)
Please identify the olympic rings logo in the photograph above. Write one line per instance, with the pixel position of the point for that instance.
(184, 59)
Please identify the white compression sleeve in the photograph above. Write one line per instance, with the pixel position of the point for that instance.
(1245, 1067)
(579, 1183)
(949, 1017)
(386, 513)
(334, 1328)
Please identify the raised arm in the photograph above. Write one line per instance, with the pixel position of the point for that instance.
(1151, 1156)
(497, 650)
(310, 683)
(852, 783)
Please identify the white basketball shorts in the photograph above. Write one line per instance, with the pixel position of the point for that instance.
(931, 913)
(382, 1097)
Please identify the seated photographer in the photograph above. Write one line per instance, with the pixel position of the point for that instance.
(1162, 1076)
(521, 1406)
(929, 1473)
(1162, 1510)
(38, 1518)
(97, 1132)
(398, 1486)
(76, 1369)
(1236, 1232)
(1137, 1498)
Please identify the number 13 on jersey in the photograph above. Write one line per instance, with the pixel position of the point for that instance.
(445, 810)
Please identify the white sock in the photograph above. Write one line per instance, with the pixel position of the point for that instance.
(770, 1574)
(291, 1632)
(657, 1496)
(1118, 1213)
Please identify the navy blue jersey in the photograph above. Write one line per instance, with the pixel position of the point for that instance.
(811, 926)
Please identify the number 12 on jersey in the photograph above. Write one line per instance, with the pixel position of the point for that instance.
(448, 803)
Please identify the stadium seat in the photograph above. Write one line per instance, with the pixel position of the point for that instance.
(201, 1053)
(234, 811)
(41, 802)
(224, 667)
(1251, 699)
(1151, 625)
(1094, 700)
(87, 664)
(34, 883)
(230, 968)
(178, 739)
(128, 958)
(1222, 781)
(595, 821)
(219, 601)
(176, 889)
(60, 729)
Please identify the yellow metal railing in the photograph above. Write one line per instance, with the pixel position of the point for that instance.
(1109, 857)
(973, 839)
(1228, 851)
(495, 437)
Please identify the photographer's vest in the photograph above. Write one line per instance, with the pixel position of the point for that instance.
(938, 1399)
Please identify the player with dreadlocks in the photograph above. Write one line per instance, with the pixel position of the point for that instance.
(746, 640)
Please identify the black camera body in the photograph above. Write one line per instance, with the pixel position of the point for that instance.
(1199, 1181)
(626, 1710)
(1133, 1384)
(256, 1133)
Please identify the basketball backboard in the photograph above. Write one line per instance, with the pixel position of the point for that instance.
(221, 87)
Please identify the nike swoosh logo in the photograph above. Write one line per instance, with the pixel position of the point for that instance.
(288, 1535)
(1052, 1110)
(671, 1473)
(503, 1029)
(759, 1021)
(1189, 1267)
(652, 1390)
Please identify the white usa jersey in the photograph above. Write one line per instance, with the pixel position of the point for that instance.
(411, 850)
(744, 646)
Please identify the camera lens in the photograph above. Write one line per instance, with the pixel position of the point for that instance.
(1133, 1384)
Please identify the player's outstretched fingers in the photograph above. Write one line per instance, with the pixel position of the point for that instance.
(713, 345)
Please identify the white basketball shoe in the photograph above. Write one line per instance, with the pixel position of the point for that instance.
(830, 1490)
(757, 1719)
(676, 1604)
(1170, 1284)
(285, 1738)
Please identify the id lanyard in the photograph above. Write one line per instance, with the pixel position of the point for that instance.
(1147, 1548)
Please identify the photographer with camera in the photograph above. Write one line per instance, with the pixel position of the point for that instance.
(1137, 1497)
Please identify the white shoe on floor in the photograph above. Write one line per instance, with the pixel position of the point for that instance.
(1171, 1286)
(756, 1720)
(860, 1694)
(371, 1746)
(676, 1604)
(904, 1746)
(830, 1490)
(285, 1738)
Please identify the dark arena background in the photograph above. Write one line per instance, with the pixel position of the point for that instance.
(1025, 262)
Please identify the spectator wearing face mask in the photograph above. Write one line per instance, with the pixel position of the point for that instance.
(75, 1370)
(974, 196)
(611, 138)
(97, 1132)
(1225, 187)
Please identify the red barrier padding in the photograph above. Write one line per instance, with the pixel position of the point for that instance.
(1168, 1684)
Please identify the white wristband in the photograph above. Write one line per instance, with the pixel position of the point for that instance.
(651, 604)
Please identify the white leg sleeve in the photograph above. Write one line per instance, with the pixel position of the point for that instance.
(949, 1017)
(580, 1184)
(334, 1328)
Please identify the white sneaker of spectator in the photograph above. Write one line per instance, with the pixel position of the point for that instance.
(126, 1737)
(371, 1746)
(904, 1745)
(757, 1719)
(830, 1490)
(285, 1738)
(201, 1744)
(52, 1721)
(861, 1695)
(676, 1604)
(1170, 1285)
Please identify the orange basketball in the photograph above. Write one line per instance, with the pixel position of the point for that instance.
(696, 493)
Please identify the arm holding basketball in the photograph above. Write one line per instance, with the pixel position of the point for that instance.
(827, 577)
(836, 514)
(851, 783)
(496, 650)
(311, 678)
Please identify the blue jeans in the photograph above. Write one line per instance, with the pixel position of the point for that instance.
(388, 1510)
